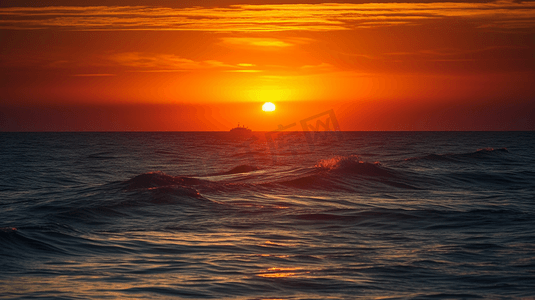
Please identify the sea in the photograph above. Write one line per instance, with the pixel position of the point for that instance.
(270, 215)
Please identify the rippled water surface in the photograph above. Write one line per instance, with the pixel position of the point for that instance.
(369, 215)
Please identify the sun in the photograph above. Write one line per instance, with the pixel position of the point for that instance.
(268, 106)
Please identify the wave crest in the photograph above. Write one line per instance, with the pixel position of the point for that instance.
(352, 164)
(237, 170)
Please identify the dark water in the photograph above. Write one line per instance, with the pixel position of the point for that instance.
(204, 215)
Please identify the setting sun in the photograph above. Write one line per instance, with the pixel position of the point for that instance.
(268, 106)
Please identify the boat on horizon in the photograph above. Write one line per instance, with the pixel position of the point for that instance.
(241, 131)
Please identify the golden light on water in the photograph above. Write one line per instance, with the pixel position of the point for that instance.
(279, 272)
(268, 106)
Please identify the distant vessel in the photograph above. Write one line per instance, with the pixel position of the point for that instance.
(241, 131)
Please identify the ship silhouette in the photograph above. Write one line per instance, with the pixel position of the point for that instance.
(241, 131)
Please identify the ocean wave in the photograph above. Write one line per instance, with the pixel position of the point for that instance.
(19, 243)
(353, 165)
(165, 152)
(349, 173)
(102, 155)
(154, 180)
(237, 170)
(485, 180)
(314, 181)
(425, 219)
(433, 157)
(44, 242)
(491, 150)
(158, 188)
(103, 204)
(248, 154)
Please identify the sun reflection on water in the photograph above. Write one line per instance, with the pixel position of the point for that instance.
(279, 272)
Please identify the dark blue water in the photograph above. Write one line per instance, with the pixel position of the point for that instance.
(396, 215)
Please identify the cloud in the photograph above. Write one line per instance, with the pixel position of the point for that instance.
(266, 18)
(321, 68)
(153, 61)
(126, 61)
(94, 75)
(245, 71)
(149, 62)
(256, 42)
(455, 54)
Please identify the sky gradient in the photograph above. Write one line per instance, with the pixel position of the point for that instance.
(207, 65)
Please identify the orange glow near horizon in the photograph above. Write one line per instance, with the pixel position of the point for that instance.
(380, 66)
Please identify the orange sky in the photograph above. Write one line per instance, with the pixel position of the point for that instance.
(207, 65)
